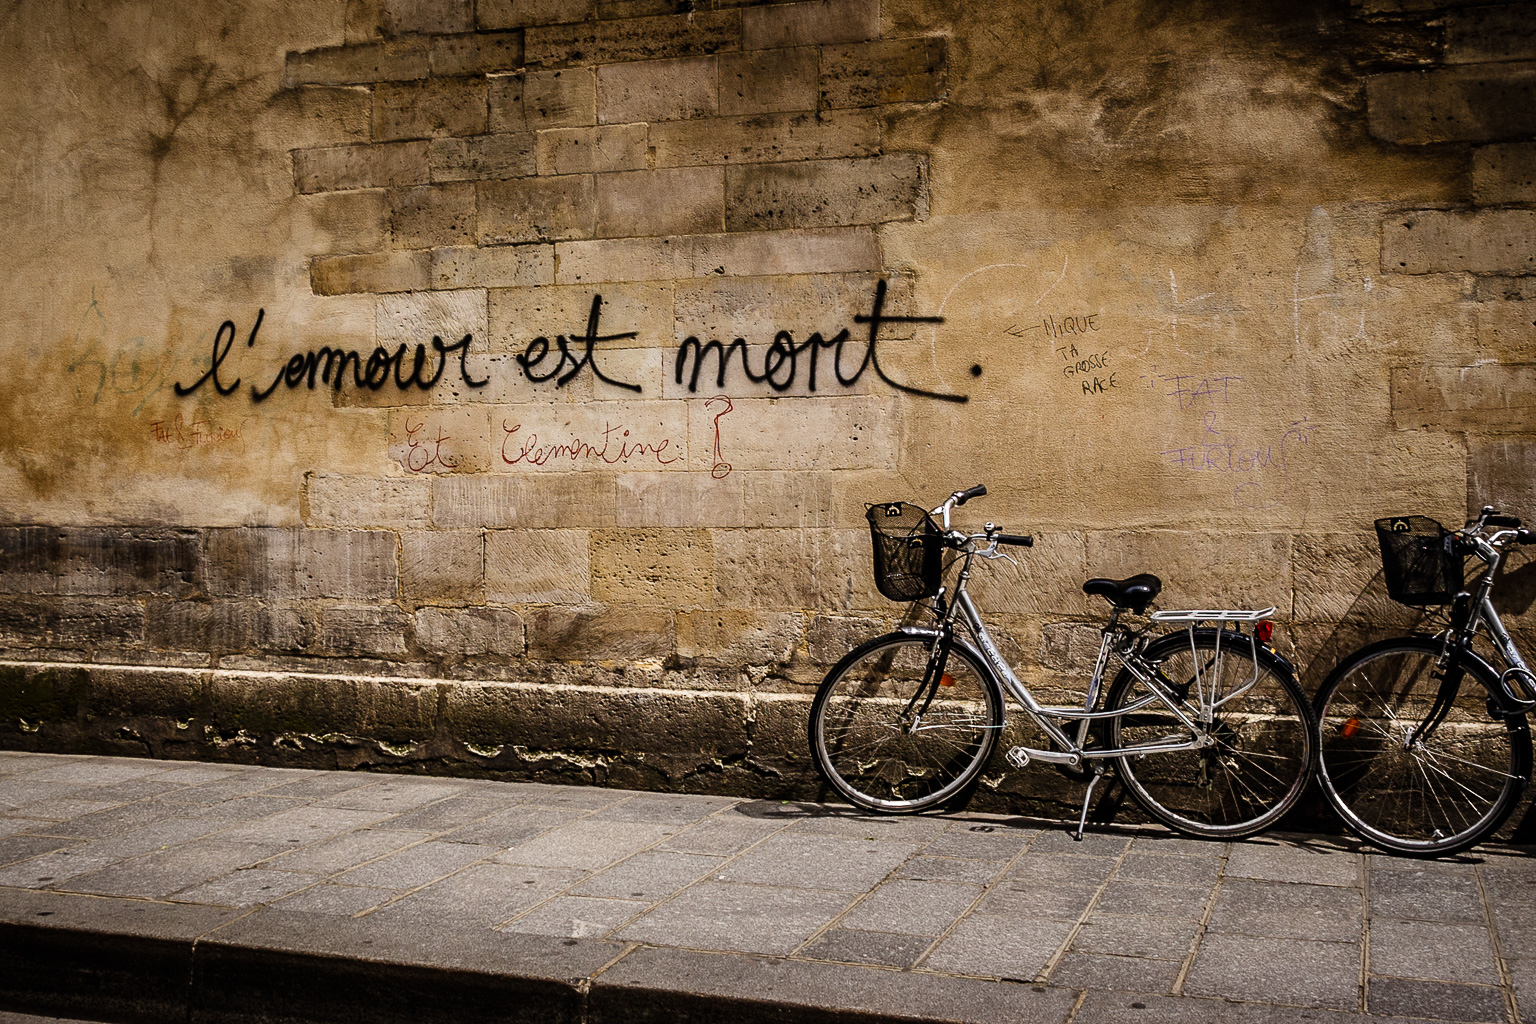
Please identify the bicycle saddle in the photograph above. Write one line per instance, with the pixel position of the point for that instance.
(1133, 592)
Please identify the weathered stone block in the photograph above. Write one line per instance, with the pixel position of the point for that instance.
(1046, 582)
(789, 500)
(369, 631)
(493, 14)
(536, 209)
(765, 138)
(518, 315)
(656, 90)
(540, 501)
(1332, 571)
(118, 694)
(757, 308)
(852, 432)
(1493, 33)
(482, 158)
(442, 566)
(479, 54)
(599, 633)
(768, 81)
(41, 695)
(431, 215)
(416, 318)
(224, 627)
(266, 707)
(738, 637)
(1504, 173)
(538, 567)
(366, 501)
(627, 39)
(415, 110)
(502, 266)
(1504, 329)
(453, 634)
(586, 150)
(537, 100)
(359, 65)
(831, 570)
(1478, 103)
(428, 16)
(390, 164)
(680, 499)
(735, 254)
(809, 24)
(829, 637)
(825, 193)
(371, 272)
(669, 201)
(1191, 577)
(97, 622)
(441, 440)
(106, 562)
(1488, 397)
(658, 567)
(282, 563)
(885, 71)
(1440, 242)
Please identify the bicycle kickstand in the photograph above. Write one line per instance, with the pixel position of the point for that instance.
(1082, 821)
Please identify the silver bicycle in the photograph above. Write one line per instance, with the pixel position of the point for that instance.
(1205, 724)
(1425, 746)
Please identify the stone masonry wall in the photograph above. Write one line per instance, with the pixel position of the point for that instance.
(496, 385)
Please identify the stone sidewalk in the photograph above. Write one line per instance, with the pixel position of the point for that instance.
(157, 891)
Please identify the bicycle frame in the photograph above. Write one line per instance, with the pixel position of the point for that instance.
(1481, 613)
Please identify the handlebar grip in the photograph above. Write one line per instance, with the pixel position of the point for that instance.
(961, 497)
(1526, 537)
(1023, 540)
(1502, 522)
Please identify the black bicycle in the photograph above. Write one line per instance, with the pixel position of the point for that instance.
(1425, 748)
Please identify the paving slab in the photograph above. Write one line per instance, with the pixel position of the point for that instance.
(209, 893)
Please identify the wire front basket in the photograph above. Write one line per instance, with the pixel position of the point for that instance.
(1420, 560)
(909, 558)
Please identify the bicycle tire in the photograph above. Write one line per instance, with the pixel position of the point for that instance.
(1265, 749)
(1429, 797)
(863, 750)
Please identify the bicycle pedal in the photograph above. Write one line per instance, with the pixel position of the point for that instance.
(1018, 757)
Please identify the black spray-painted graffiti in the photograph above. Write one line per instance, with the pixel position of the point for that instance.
(779, 369)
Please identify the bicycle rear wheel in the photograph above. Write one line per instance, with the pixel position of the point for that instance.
(1414, 762)
(891, 739)
(1264, 745)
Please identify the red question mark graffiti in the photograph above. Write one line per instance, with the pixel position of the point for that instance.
(721, 468)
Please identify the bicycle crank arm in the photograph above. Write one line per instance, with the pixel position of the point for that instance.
(1021, 756)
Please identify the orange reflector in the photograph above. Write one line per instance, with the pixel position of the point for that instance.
(946, 680)
(1349, 728)
(1264, 630)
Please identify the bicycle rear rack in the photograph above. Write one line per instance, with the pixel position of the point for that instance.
(1191, 619)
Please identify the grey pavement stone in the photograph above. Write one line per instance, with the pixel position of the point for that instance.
(1438, 1000)
(577, 916)
(901, 829)
(912, 908)
(11, 826)
(1094, 844)
(196, 775)
(246, 782)
(859, 947)
(726, 835)
(589, 845)
(1426, 896)
(1522, 976)
(110, 822)
(302, 825)
(344, 852)
(246, 888)
(1178, 845)
(1157, 937)
(130, 790)
(23, 791)
(1270, 970)
(337, 900)
(668, 808)
(1433, 951)
(1170, 869)
(43, 872)
(65, 807)
(1043, 866)
(951, 869)
(1128, 897)
(415, 865)
(1125, 973)
(323, 784)
(1000, 946)
(818, 862)
(24, 847)
(163, 873)
(581, 798)
(394, 795)
(1030, 899)
(1288, 910)
(1112, 1007)
(513, 826)
(738, 918)
(454, 812)
(98, 772)
(1001, 844)
(1278, 860)
(653, 875)
(483, 895)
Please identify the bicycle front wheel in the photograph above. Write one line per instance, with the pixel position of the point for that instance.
(1414, 761)
(1262, 741)
(890, 738)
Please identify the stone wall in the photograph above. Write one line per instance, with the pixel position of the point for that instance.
(363, 405)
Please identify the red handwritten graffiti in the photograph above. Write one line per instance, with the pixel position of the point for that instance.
(721, 469)
(422, 453)
(614, 447)
(197, 434)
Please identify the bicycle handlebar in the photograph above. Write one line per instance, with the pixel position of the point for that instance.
(961, 497)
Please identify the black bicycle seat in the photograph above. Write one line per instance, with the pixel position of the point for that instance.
(1133, 592)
